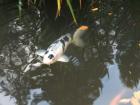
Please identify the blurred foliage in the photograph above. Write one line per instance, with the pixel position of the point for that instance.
(60, 3)
(128, 54)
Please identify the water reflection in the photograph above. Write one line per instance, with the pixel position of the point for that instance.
(60, 83)
(128, 48)
(17, 49)
(128, 59)
(64, 83)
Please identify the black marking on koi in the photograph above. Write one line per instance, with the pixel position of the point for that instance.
(56, 41)
(46, 52)
(63, 42)
(66, 38)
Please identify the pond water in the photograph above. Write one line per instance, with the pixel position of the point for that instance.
(109, 62)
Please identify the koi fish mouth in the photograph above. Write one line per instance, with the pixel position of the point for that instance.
(83, 28)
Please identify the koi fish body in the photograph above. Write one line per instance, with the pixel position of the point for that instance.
(55, 52)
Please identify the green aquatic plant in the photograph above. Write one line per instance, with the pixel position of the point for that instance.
(20, 7)
(71, 10)
(59, 5)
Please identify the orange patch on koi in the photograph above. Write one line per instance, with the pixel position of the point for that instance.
(117, 98)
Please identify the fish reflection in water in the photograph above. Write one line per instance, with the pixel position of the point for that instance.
(116, 99)
(134, 100)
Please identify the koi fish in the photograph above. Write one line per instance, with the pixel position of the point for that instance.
(55, 52)
(116, 99)
(134, 100)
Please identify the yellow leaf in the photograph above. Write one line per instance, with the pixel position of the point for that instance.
(58, 7)
(80, 3)
(94, 9)
(110, 13)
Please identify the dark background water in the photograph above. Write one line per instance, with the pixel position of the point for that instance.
(109, 63)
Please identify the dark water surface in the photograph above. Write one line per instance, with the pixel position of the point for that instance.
(109, 63)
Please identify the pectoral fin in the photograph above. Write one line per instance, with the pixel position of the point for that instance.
(40, 52)
(63, 58)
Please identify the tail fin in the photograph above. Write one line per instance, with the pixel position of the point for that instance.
(78, 34)
(125, 101)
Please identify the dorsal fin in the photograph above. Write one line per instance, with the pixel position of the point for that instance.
(41, 52)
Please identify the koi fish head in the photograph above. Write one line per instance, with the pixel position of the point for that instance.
(49, 58)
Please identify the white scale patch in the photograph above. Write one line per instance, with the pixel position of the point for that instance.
(55, 46)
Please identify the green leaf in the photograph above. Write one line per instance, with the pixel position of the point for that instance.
(34, 1)
(71, 10)
(20, 7)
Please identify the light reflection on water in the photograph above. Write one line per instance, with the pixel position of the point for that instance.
(6, 100)
(101, 76)
(112, 85)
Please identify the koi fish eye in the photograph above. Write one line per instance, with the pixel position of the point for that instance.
(50, 56)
